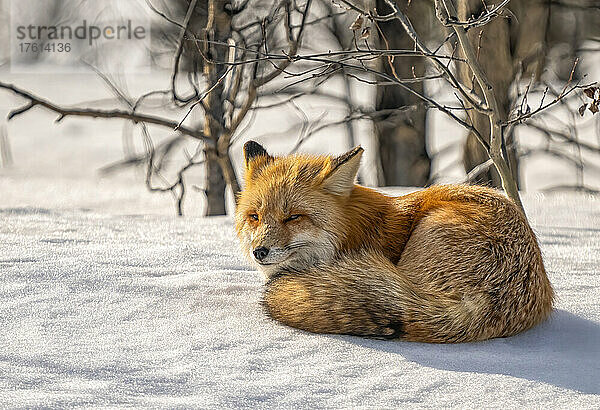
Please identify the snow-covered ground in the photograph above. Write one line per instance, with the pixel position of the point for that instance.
(109, 300)
(144, 310)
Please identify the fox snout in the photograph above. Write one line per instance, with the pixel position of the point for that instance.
(260, 253)
(273, 255)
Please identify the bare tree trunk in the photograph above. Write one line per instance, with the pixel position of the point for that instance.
(505, 48)
(217, 29)
(492, 43)
(401, 136)
(568, 29)
(339, 29)
(215, 187)
(5, 151)
(209, 23)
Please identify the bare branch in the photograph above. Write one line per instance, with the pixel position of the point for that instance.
(486, 16)
(470, 96)
(496, 137)
(92, 113)
(178, 53)
(204, 95)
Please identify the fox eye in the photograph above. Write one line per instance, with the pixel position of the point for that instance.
(254, 217)
(292, 218)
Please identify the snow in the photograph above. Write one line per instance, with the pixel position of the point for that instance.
(142, 310)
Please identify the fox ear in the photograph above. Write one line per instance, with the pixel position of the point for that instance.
(254, 151)
(340, 179)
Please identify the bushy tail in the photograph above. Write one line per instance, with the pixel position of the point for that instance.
(367, 295)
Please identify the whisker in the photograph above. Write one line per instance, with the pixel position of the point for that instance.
(295, 245)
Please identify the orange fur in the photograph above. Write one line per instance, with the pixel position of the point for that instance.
(446, 264)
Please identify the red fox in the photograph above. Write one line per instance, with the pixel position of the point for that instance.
(447, 264)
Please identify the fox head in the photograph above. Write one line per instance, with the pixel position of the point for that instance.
(290, 214)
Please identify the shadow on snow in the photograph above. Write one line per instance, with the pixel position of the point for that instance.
(563, 351)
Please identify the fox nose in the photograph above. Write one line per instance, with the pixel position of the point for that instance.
(260, 253)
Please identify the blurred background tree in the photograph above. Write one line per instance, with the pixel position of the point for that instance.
(231, 61)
